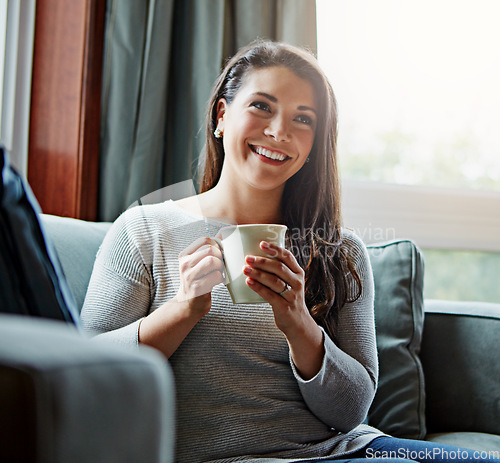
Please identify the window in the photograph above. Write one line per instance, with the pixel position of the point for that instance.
(16, 53)
(417, 83)
(417, 86)
(3, 36)
(462, 275)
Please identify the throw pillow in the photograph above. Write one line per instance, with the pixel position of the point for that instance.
(31, 277)
(399, 405)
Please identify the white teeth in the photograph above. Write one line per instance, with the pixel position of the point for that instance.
(270, 154)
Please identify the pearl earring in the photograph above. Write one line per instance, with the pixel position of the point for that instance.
(218, 133)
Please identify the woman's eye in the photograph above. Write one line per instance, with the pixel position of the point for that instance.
(262, 106)
(303, 119)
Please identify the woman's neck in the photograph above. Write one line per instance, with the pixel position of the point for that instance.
(242, 205)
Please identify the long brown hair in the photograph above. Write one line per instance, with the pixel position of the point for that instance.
(311, 200)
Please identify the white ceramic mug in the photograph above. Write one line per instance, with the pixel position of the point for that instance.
(239, 241)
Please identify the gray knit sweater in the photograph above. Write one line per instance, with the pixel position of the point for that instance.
(239, 397)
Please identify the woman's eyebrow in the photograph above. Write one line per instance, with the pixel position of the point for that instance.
(306, 108)
(275, 100)
(266, 95)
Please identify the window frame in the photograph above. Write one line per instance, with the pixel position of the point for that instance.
(433, 217)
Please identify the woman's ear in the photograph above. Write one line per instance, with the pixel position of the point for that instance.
(221, 112)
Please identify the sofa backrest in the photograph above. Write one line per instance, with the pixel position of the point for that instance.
(76, 243)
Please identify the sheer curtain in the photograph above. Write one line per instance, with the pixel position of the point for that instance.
(161, 59)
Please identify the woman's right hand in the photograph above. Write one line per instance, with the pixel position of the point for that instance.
(201, 267)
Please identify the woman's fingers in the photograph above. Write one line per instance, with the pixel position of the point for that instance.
(201, 243)
(277, 272)
(268, 275)
(205, 251)
(201, 268)
(283, 255)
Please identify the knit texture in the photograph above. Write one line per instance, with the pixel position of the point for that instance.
(239, 396)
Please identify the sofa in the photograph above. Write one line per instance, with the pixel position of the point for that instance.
(65, 397)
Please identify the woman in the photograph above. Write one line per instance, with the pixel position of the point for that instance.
(288, 380)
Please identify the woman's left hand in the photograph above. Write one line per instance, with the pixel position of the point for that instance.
(280, 280)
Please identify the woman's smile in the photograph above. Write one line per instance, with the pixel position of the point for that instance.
(269, 156)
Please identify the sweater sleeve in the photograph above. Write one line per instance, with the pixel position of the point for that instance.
(342, 391)
(119, 291)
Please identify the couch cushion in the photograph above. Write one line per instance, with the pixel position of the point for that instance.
(76, 243)
(399, 405)
(31, 277)
(469, 440)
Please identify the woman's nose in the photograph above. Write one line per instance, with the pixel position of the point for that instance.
(278, 129)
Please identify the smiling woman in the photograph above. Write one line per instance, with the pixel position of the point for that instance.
(286, 379)
(272, 100)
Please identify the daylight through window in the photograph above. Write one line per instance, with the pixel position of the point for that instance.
(417, 85)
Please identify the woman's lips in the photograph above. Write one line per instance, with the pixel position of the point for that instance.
(274, 157)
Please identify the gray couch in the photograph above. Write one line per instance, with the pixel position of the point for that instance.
(72, 399)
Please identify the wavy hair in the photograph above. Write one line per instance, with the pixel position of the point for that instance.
(310, 205)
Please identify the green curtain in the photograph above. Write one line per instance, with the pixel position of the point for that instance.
(161, 59)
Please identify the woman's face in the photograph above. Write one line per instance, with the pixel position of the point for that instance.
(268, 128)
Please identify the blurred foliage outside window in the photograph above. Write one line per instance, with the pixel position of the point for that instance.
(462, 275)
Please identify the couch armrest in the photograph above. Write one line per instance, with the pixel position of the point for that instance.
(64, 397)
(461, 366)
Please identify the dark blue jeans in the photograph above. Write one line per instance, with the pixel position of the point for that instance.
(391, 450)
